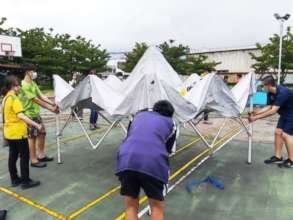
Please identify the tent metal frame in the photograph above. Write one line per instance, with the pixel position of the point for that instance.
(96, 145)
(248, 128)
(192, 123)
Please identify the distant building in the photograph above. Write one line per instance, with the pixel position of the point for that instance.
(115, 61)
(233, 60)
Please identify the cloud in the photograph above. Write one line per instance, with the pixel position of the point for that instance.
(117, 24)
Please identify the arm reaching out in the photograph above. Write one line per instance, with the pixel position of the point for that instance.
(263, 110)
(28, 121)
(46, 99)
(52, 108)
(264, 114)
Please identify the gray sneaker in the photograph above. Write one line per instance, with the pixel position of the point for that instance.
(92, 127)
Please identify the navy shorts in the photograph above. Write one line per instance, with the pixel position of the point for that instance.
(132, 182)
(286, 125)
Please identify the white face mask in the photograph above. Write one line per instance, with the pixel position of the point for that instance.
(34, 75)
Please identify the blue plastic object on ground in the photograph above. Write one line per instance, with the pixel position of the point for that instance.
(210, 180)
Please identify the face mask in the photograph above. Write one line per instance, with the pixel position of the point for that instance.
(34, 75)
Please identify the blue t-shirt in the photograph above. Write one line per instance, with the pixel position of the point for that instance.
(147, 146)
(284, 99)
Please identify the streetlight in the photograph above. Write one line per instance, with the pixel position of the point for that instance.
(281, 20)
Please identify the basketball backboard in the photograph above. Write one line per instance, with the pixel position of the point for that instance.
(10, 46)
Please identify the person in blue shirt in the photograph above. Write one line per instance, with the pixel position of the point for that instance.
(143, 159)
(280, 100)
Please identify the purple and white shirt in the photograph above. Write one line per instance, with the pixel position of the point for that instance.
(146, 148)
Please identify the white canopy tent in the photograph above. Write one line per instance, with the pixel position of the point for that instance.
(62, 88)
(91, 93)
(140, 91)
(214, 94)
(154, 63)
(114, 82)
(211, 93)
(152, 79)
(191, 80)
(243, 89)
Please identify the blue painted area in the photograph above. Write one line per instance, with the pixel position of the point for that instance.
(260, 98)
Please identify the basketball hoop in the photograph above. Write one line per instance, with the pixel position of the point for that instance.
(10, 46)
(9, 54)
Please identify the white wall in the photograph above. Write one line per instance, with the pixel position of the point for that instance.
(234, 61)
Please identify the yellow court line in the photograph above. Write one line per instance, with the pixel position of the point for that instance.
(184, 167)
(33, 204)
(93, 203)
(115, 189)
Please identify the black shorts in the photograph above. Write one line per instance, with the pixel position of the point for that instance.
(34, 132)
(286, 125)
(132, 181)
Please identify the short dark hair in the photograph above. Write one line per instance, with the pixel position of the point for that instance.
(91, 71)
(28, 67)
(9, 82)
(164, 108)
(269, 80)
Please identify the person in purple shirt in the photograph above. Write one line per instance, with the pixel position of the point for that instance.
(280, 100)
(143, 159)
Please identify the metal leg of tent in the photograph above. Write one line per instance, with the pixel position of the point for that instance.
(106, 133)
(65, 125)
(83, 129)
(249, 130)
(123, 127)
(249, 160)
(104, 117)
(219, 132)
(198, 132)
(241, 122)
(58, 139)
(59, 134)
(110, 123)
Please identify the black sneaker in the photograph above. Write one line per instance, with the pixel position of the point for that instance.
(46, 159)
(274, 160)
(39, 164)
(286, 164)
(15, 183)
(30, 184)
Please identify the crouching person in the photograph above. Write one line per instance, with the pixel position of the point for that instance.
(15, 132)
(143, 159)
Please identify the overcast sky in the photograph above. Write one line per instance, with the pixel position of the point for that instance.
(118, 24)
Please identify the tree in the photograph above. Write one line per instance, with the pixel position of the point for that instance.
(56, 53)
(176, 55)
(268, 60)
(134, 56)
(199, 63)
